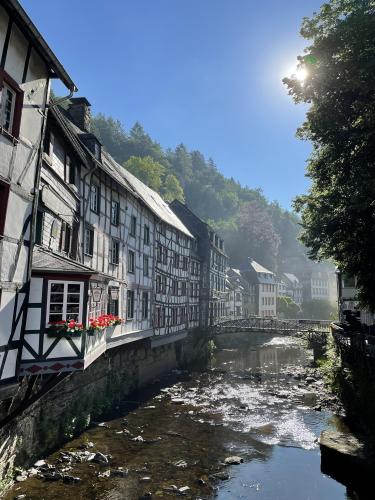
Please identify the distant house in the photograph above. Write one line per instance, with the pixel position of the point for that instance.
(281, 287)
(264, 282)
(315, 285)
(239, 294)
(294, 288)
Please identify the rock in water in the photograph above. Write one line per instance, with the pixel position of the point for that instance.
(100, 458)
(233, 460)
(346, 457)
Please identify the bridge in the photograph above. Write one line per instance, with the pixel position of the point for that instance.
(273, 325)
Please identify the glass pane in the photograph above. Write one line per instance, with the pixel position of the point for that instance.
(73, 298)
(57, 287)
(72, 316)
(55, 317)
(57, 297)
(71, 308)
(56, 308)
(73, 288)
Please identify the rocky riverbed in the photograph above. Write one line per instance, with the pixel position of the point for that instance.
(247, 426)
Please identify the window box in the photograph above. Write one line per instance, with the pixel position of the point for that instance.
(65, 329)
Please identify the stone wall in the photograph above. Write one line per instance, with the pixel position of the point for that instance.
(86, 396)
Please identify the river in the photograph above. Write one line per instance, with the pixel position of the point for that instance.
(172, 439)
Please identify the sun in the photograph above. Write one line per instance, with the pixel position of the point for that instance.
(299, 73)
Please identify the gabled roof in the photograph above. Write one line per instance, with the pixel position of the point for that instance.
(292, 278)
(155, 202)
(258, 268)
(31, 31)
(48, 262)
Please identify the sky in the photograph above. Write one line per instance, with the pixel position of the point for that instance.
(206, 73)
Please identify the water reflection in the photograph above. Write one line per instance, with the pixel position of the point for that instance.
(244, 404)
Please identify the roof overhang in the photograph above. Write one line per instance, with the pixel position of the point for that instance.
(30, 30)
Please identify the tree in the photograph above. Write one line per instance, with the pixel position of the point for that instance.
(286, 307)
(172, 189)
(338, 211)
(147, 170)
(319, 309)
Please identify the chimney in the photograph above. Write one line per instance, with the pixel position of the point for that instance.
(79, 111)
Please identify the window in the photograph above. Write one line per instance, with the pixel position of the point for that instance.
(145, 265)
(164, 285)
(165, 255)
(159, 316)
(115, 213)
(89, 241)
(173, 318)
(70, 171)
(163, 228)
(94, 198)
(64, 301)
(159, 252)
(176, 260)
(65, 238)
(174, 287)
(115, 251)
(4, 194)
(146, 235)
(144, 305)
(158, 283)
(131, 261)
(11, 101)
(8, 102)
(183, 288)
(185, 263)
(113, 300)
(133, 225)
(130, 304)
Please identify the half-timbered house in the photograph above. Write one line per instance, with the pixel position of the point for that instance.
(213, 264)
(27, 65)
(172, 268)
(95, 251)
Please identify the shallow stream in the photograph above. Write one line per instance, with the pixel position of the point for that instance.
(252, 402)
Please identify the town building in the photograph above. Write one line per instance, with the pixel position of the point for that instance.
(294, 288)
(348, 301)
(106, 244)
(213, 259)
(27, 65)
(315, 284)
(238, 297)
(264, 283)
(281, 287)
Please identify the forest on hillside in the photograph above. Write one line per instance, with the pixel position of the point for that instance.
(251, 225)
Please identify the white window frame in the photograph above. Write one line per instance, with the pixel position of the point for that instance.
(65, 296)
(2, 111)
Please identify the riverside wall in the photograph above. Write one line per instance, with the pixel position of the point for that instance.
(87, 396)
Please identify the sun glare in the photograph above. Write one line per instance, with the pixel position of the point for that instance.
(300, 73)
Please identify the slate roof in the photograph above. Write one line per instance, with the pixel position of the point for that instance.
(292, 278)
(258, 268)
(155, 202)
(46, 261)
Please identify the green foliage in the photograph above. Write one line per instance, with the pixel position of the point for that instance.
(338, 211)
(319, 309)
(287, 308)
(147, 170)
(250, 225)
